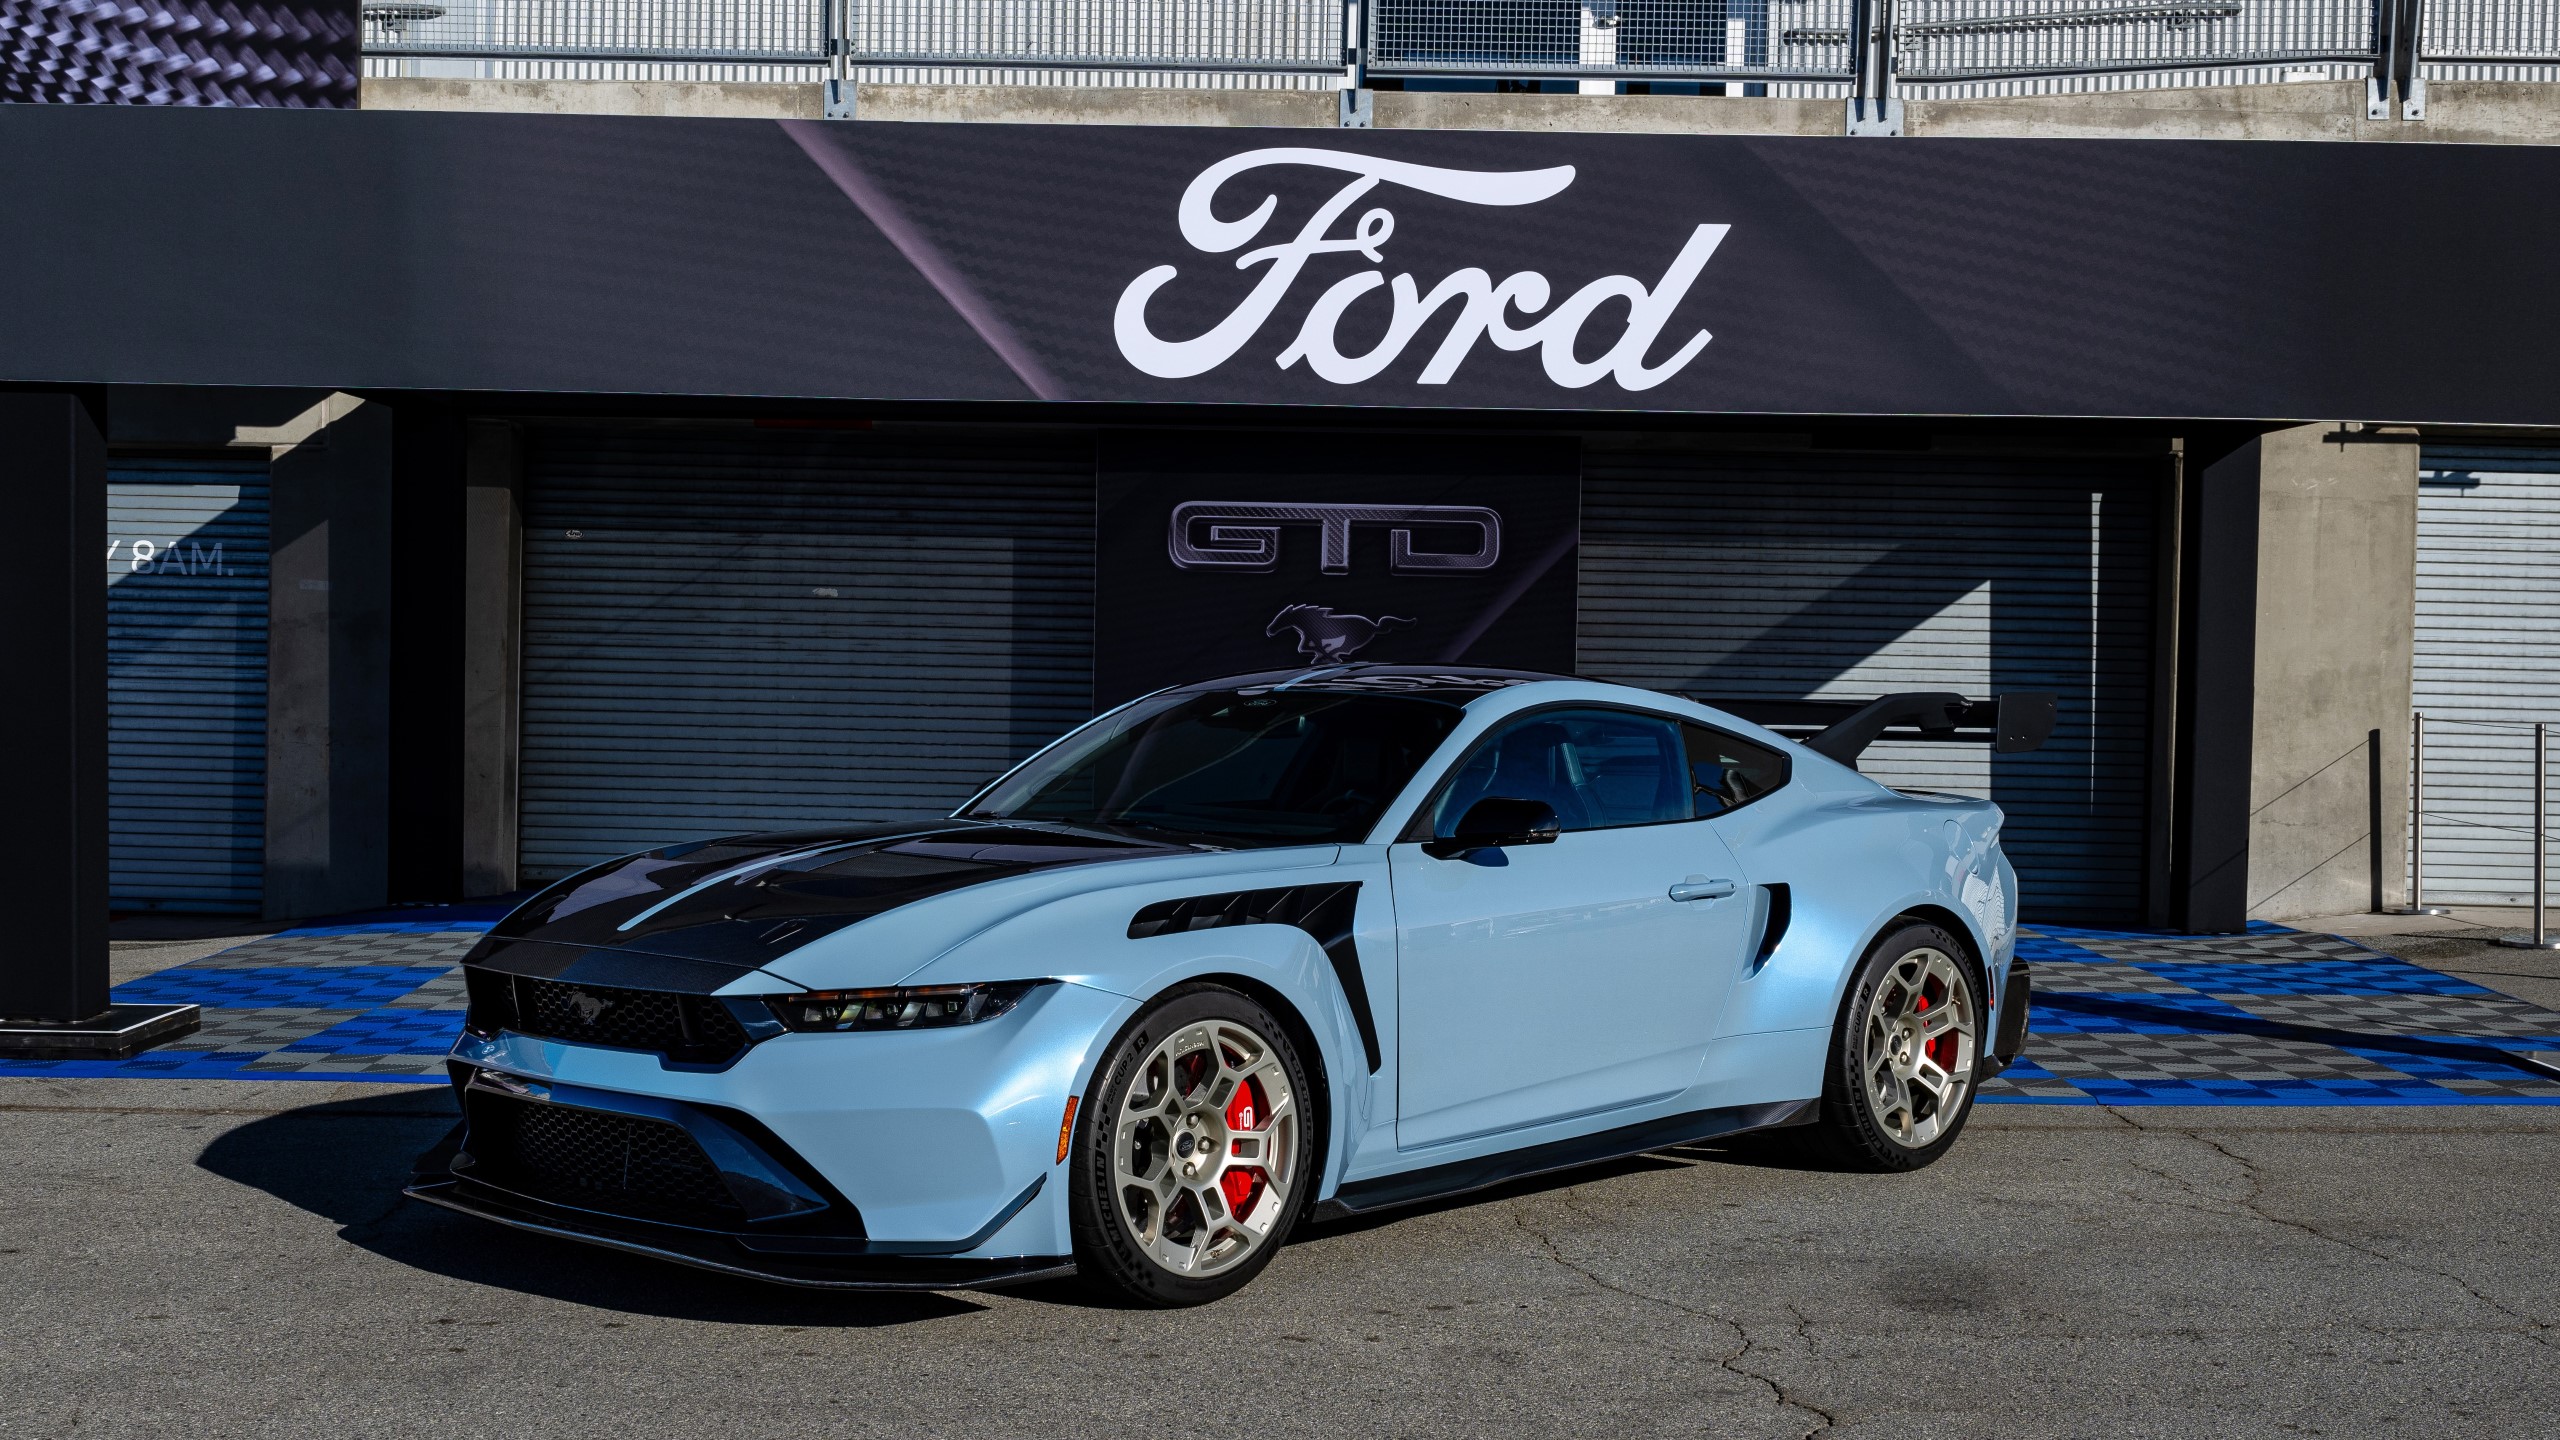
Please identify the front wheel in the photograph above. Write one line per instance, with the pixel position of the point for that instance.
(1192, 1157)
(1905, 1053)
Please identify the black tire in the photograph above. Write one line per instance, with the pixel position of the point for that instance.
(1106, 1216)
(1857, 1131)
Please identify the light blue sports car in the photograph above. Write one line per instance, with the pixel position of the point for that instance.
(1236, 955)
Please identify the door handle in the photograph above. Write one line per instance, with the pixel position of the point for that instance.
(1698, 887)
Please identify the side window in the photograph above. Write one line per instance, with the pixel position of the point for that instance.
(1596, 768)
(1725, 772)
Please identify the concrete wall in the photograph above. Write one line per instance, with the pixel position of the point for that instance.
(1075, 105)
(2336, 584)
(597, 97)
(329, 660)
(2467, 112)
(2463, 111)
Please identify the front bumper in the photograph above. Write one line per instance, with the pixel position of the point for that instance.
(688, 1183)
(919, 1159)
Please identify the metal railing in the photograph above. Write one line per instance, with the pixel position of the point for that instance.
(666, 31)
(2489, 32)
(1982, 39)
(1240, 36)
(1644, 40)
(1856, 47)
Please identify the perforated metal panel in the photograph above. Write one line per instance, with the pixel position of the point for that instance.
(1842, 578)
(734, 629)
(186, 685)
(2487, 662)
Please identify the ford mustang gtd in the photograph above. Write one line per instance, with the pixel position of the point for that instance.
(1238, 954)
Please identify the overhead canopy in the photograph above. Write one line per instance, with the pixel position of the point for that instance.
(1648, 273)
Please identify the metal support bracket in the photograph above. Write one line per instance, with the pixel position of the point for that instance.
(1870, 116)
(1356, 109)
(839, 100)
(1873, 107)
(2395, 61)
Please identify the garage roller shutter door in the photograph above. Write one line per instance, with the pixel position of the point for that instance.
(730, 630)
(2487, 662)
(186, 685)
(1823, 578)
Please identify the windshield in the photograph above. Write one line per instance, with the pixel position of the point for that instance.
(1274, 768)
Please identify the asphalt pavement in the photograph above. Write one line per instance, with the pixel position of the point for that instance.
(227, 1258)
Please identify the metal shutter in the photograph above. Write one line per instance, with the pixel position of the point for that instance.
(1821, 578)
(2487, 662)
(186, 685)
(730, 630)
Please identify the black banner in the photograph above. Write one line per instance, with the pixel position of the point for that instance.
(1226, 556)
(1437, 270)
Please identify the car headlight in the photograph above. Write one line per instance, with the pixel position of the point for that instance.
(915, 1007)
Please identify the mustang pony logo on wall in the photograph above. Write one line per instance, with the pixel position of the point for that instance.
(1484, 306)
(1326, 636)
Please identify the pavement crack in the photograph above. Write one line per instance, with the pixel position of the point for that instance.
(1732, 1362)
(2253, 1204)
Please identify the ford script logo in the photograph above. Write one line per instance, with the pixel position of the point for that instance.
(1473, 305)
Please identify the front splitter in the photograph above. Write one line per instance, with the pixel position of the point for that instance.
(843, 1266)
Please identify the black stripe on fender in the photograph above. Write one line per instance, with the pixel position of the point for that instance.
(1323, 911)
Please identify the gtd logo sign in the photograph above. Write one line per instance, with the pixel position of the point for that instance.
(1478, 306)
(1245, 535)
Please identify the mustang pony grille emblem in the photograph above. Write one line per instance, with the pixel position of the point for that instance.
(589, 1006)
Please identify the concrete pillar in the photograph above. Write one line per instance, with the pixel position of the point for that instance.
(2336, 616)
(53, 850)
(2216, 642)
(492, 611)
(329, 659)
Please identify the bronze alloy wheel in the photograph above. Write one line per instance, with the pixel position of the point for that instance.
(1194, 1164)
(1905, 1053)
(1917, 1043)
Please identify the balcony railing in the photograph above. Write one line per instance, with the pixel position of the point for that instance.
(1860, 47)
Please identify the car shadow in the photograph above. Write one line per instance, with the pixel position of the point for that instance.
(347, 1160)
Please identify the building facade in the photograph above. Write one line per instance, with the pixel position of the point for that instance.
(600, 484)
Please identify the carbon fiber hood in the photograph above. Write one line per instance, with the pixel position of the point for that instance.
(694, 917)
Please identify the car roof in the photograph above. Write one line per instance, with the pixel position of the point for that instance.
(1451, 684)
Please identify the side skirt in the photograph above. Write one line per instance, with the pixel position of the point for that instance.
(1412, 1187)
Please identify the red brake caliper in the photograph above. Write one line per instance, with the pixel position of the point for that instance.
(1943, 1049)
(1246, 1110)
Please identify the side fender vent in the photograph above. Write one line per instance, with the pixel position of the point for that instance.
(1781, 909)
(1323, 911)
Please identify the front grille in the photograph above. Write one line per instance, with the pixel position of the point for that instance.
(691, 1028)
(597, 1159)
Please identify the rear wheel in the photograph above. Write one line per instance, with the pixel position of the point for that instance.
(1905, 1053)
(1191, 1159)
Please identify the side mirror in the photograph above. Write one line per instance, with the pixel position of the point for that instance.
(1496, 821)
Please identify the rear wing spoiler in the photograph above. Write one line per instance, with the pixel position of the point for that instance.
(1842, 729)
